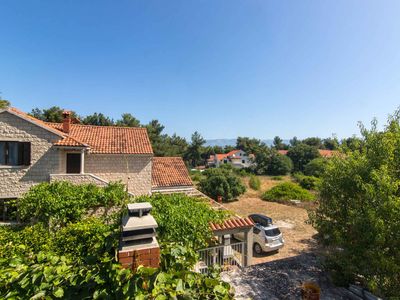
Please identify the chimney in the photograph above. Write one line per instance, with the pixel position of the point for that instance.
(66, 121)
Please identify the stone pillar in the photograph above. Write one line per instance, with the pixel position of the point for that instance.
(248, 236)
(82, 171)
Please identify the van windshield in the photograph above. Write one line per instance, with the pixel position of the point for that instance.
(272, 232)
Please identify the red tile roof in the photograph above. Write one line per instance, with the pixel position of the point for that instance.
(226, 155)
(70, 142)
(232, 224)
(109, 139)
(323, 153)
(170, 172)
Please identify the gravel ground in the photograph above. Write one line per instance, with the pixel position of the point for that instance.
(280, 275)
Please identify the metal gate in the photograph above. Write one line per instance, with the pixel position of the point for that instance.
(225, 256)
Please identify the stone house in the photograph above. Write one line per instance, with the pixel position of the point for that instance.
(33, 151)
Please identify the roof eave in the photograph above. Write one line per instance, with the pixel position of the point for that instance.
(55, 131)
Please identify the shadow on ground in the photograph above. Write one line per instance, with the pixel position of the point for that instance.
(281, 279)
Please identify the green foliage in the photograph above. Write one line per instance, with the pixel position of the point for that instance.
(277, 178)
(307, 182)
(183, 219)
(313, 142)
(221, 182)
(254, 182)
(249, 145)
(58, 203)
(287, 191)
(359, 212)
(331, 143)
(98, 119)
(301, 155)
(128, 120)
(76, 258)
(4, 103)
(278, 144)
(52, 114)
(316, 167)
(194, 150)
(270, 162)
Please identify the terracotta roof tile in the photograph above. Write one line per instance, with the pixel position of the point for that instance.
(71, 142)
(110, 139)
(233, 223)
(169, 172)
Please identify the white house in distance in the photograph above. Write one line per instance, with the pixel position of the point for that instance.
(236, 158)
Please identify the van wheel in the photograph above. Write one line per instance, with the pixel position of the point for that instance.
(257, 248)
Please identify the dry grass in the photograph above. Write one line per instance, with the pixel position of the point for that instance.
(291, 219)
(266, 184)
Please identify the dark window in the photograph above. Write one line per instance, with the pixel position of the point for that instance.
(256, 230)
(8, 210)
(73, 163)
(243, 161)
(272, 232)
(15, 153)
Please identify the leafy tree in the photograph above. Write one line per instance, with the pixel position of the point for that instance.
(314, 142)
(301, 155)
(359, 211)
(228, 148)
(127, 120)
(316, 167)
(194, 151)
(98, 119)
(278, 143)
(279, 165)
(352, 144)
(221, 182)
(331, 143)
(307, 182)
(52, 114)
(294, 141)
(4, 103)
(249, 145)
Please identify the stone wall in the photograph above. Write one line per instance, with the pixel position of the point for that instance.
(45, 159)
(132, 169)
(78, 179)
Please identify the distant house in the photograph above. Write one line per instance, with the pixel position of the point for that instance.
(236, 158)
(322, 152)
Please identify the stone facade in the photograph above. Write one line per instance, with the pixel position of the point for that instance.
(45, 159)
(133, 169)
(78, 179)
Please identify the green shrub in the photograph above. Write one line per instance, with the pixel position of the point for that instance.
(277, 178)
(183, 219)
(316, 167)
(287, 191)
(255, 183)
(359, 211)
(307, 182)
(58, 203)
(221, 182)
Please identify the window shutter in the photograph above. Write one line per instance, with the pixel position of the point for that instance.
(27, 153)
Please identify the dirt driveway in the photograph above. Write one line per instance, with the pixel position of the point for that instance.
(291, 220)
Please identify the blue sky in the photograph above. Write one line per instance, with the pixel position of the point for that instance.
(223, 68)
